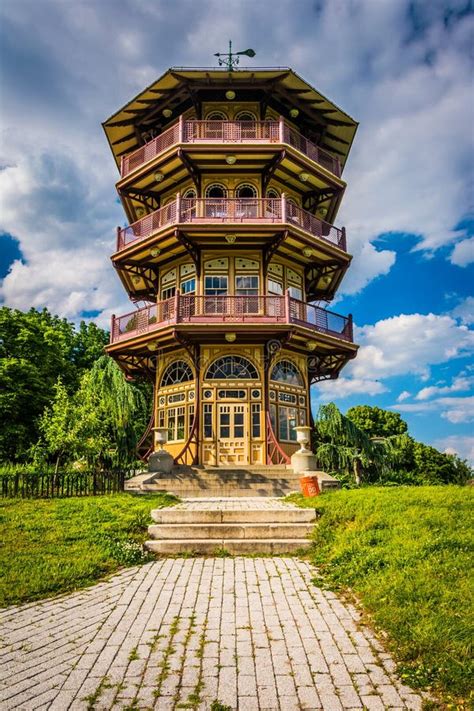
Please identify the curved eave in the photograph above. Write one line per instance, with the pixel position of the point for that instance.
(176, 85)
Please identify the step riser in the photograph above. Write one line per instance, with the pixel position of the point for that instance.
(220, 531)
(167, 516)
(234, 547)
(219, 493)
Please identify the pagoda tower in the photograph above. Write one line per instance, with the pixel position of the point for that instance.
(231, 181)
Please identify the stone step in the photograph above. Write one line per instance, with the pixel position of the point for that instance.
(220, 493)
(222, 531)
(277, 515)
(239, 546)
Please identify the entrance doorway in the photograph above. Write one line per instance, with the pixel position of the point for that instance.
(232, 433)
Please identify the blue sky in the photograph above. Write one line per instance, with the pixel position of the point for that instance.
(402, 68)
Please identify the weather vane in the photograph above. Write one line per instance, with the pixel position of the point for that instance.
(231, 60)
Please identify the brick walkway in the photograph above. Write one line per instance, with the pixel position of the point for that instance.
(254, 633)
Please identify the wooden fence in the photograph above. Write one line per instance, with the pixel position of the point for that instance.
(47, 485)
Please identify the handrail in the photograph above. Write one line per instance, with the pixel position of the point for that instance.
(234, 211)
(265, 309)
(274, 447)
(248, 132)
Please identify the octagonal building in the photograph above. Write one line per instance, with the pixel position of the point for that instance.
(231, 183)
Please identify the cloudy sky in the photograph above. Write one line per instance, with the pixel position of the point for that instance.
(402, 68)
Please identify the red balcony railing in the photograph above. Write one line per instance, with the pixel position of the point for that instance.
(230, 210)
(188, 308)
(228, 132)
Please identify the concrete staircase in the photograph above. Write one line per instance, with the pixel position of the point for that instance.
(201, 481)
(233, 525)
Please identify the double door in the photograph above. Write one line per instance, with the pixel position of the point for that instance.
(232, 433)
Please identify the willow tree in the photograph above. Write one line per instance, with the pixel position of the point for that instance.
(111, 413)
(341, 446)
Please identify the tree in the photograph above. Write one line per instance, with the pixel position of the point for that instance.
(343, 447)
(110, 414)
(57, 425)
(376, 422)
(35, 349)
(434, 467)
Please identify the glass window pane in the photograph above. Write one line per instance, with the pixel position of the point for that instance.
(275, 287)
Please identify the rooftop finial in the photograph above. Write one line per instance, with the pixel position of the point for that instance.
(230, 60)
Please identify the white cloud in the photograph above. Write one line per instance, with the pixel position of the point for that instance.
(458, 385)
(453, 409)
(403, 396)
(343, 387)
(408, 89)
(409, 343)
(464, 310)
(462, 445)
(463, 253)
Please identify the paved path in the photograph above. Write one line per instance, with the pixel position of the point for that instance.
(254, 633)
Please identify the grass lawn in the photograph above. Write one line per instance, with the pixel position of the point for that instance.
(407, 554)
(58, 545)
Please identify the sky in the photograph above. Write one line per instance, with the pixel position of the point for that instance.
(402, 68)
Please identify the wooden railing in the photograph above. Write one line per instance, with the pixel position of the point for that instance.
(228, 132)
(187, 308)
(230, 210)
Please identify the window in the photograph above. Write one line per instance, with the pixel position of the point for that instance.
(177, 372)
(216, 190)
(232, 394)
(287, 372)
(168, 293)
(207, 411)
(287, 423)
(275, 287)
(188, 286)
(215, 285)
(216, 116)
(296, 293)
(246, 190)
(256, 427)
(272, 193)
(176, 424)
(189, 194)
(232, 368)
(245, 116)
(246, 285)
(190, 418)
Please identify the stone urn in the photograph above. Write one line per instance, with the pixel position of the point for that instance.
(303, 437)
(160, 462)
(303, 459)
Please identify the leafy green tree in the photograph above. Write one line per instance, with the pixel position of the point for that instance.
(110, 415)
(434, 467)
(343, 447)
(376, 422)
(57, 425)
(35, 349)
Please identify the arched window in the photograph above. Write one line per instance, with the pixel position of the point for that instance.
(177, 372)
(272, 193)
(245, 116)
(216, 190)
(216, 116)
(189, 193)
(286, 372)
(246, 190)
(232, 368)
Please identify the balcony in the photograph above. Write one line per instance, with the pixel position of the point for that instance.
(236, 211)
(229, 132)
(207, 310)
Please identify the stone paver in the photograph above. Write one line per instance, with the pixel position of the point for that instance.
(254, 633)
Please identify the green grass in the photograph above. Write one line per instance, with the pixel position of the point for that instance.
(406, 552)
(58, 545)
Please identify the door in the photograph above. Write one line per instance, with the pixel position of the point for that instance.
(232, 439)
